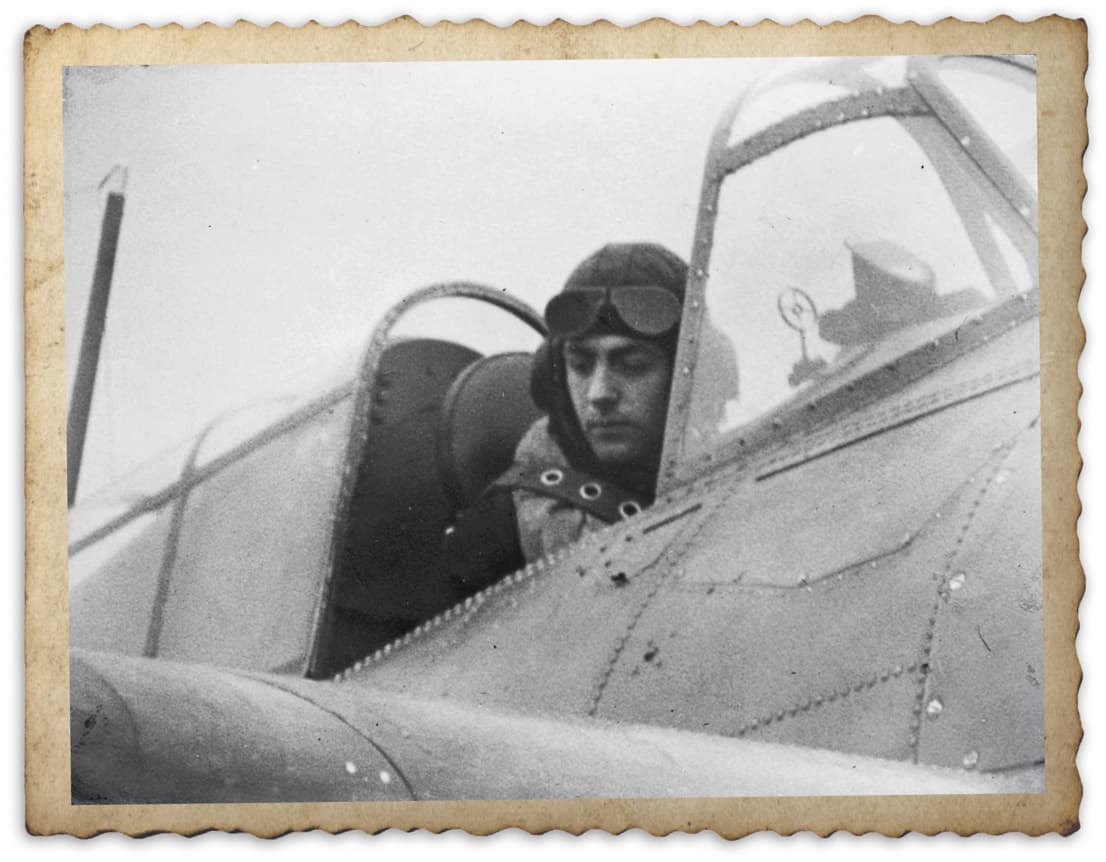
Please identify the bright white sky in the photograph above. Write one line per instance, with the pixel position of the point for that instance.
(274, 212)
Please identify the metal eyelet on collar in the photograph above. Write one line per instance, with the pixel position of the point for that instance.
(628, 508)
(591, 490)
(552, 477)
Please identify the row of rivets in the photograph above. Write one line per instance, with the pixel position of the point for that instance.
(831, 697)
(935, 706)
(957, 391)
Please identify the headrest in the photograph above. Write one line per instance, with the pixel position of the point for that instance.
(484, 415)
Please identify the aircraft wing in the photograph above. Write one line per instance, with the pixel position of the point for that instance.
(160, 732)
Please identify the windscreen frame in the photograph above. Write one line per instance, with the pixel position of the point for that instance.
(923, 95)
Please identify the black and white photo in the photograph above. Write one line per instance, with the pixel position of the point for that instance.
(534, 429)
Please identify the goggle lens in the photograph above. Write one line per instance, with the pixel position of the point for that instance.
(647, 310)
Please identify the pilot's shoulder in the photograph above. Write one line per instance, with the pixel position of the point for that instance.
(538, 447)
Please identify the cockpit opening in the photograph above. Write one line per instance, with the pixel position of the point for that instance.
(436, 422)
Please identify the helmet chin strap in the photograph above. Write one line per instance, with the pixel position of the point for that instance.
(602, 498)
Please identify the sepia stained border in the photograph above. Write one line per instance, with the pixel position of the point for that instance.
(1061, 49)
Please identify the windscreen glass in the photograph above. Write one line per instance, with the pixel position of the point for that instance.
(834, 251)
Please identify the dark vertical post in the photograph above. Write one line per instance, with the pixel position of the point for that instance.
(81, 403)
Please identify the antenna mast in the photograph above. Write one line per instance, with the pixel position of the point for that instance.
(81, 404)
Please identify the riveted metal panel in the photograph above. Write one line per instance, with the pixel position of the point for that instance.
(816, 662)
(733, 659)
(856, 502)
(871, 717)
(986, 665)
(540, 639)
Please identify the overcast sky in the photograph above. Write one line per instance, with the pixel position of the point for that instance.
(273, 212)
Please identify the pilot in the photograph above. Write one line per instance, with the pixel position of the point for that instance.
(602, 379)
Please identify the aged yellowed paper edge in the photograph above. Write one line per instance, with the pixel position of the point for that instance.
(1061, 49)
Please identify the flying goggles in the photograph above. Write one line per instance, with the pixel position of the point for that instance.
(646, 309)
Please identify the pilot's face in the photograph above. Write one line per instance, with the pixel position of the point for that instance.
(619, 388)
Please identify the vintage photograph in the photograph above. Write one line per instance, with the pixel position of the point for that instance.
(538, 430)
(553, 428)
